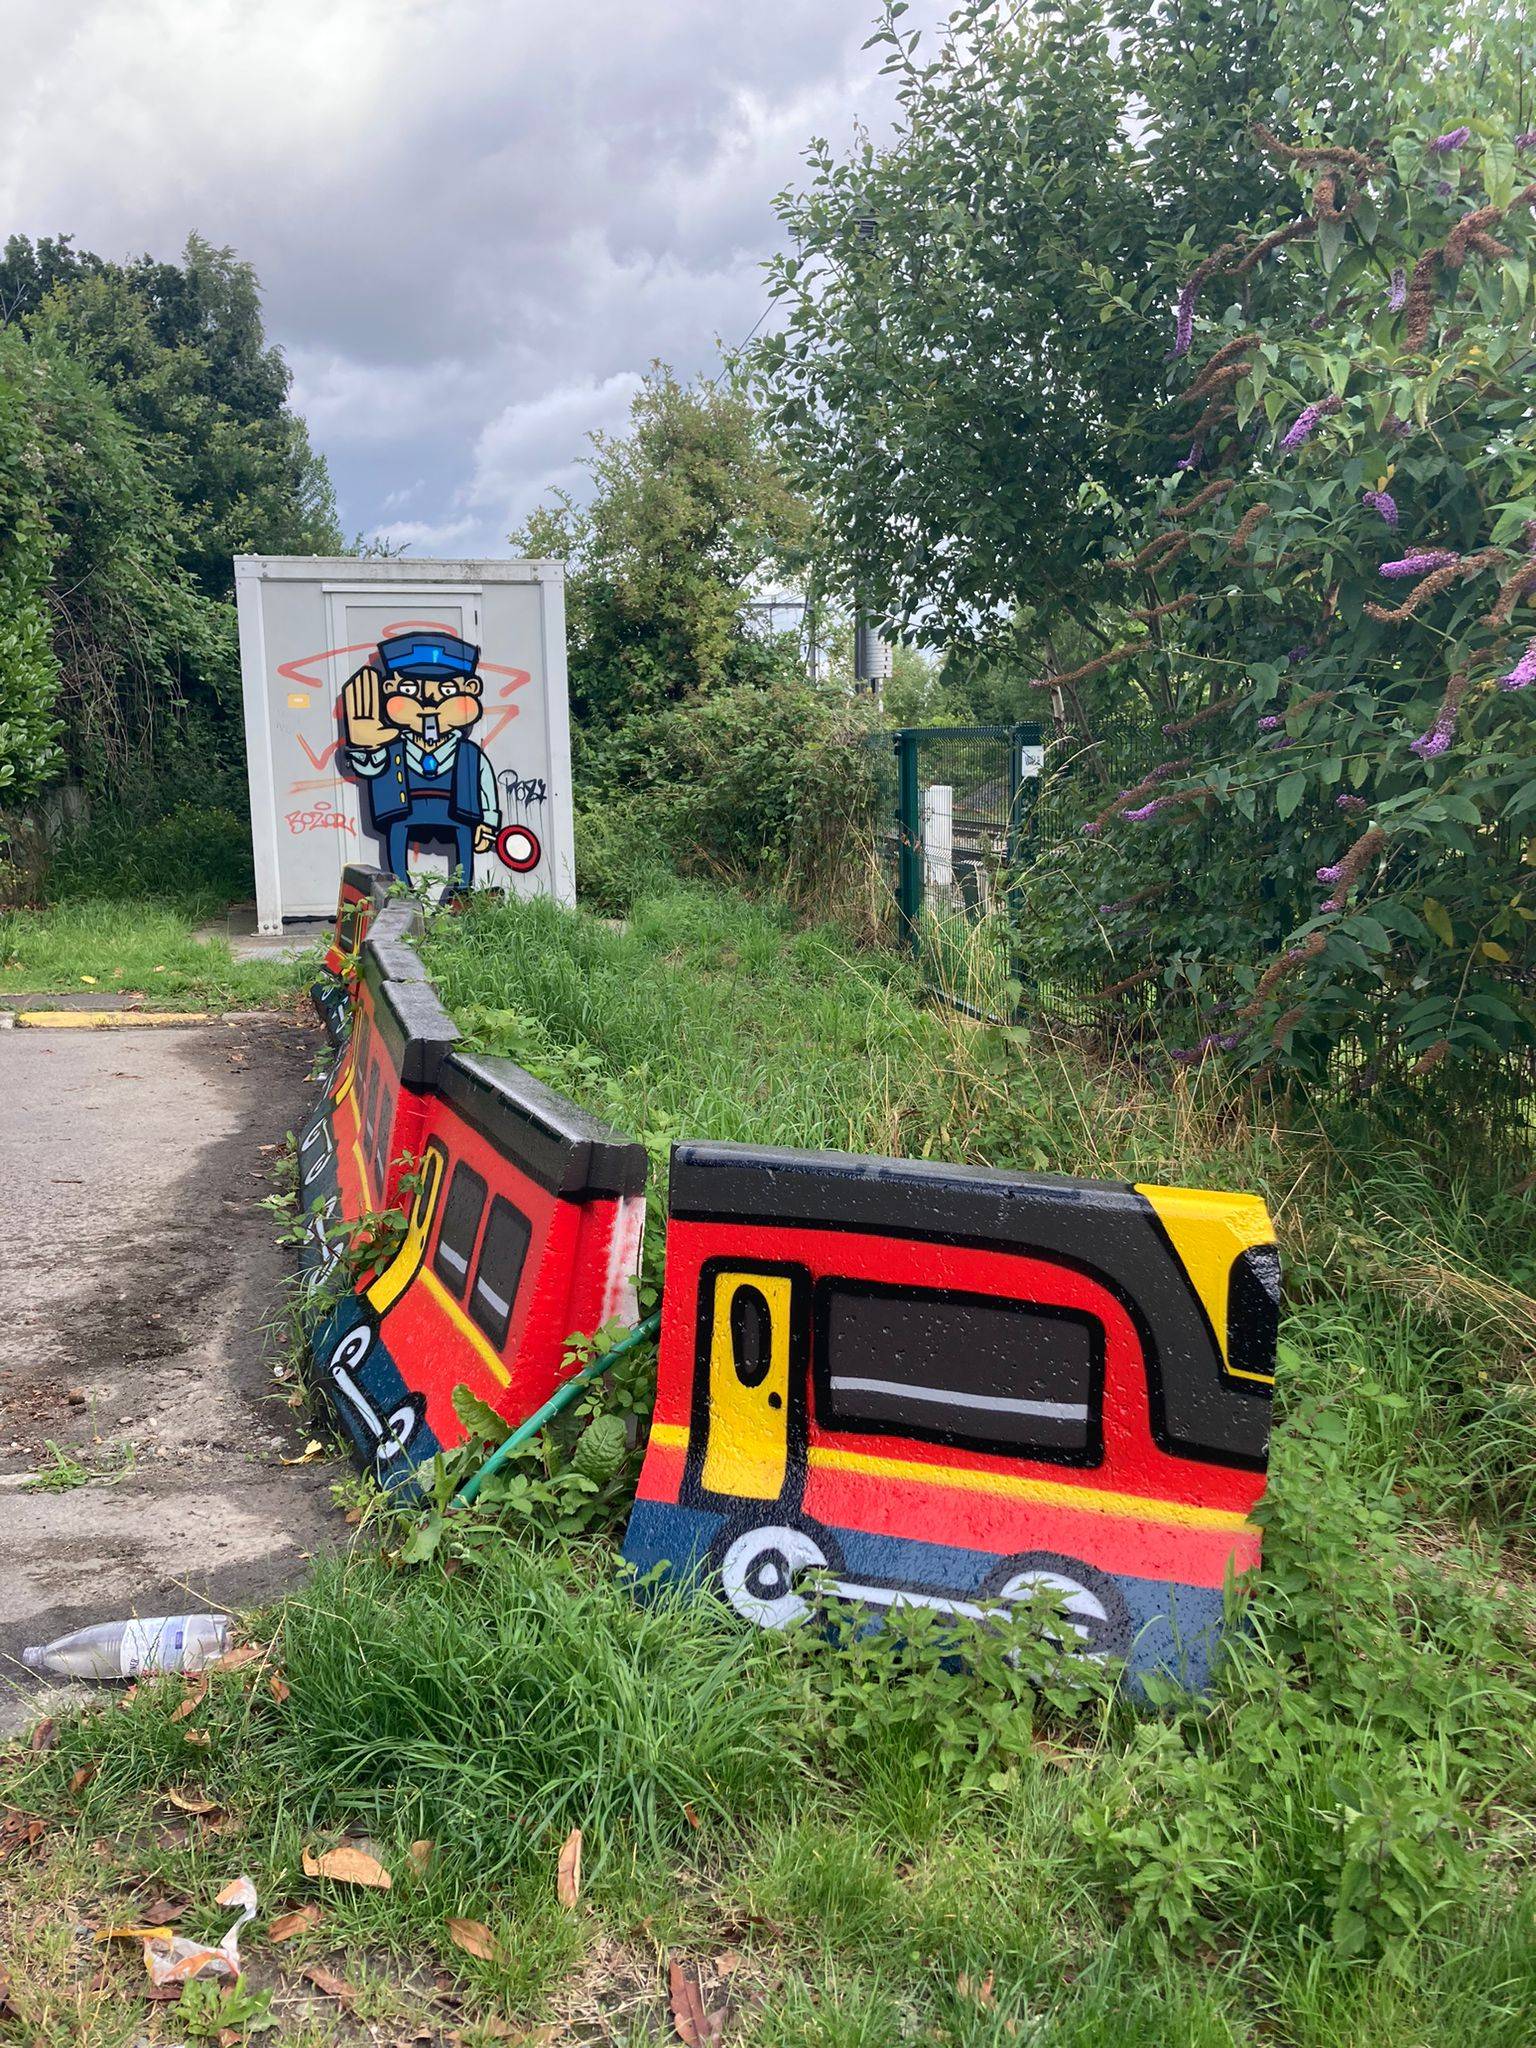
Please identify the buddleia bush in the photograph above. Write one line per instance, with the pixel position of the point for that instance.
(1327, 619)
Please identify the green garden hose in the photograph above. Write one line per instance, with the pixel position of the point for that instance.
(560, 1399)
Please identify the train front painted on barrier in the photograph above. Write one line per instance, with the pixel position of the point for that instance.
(941, 1386)
(523, 1215)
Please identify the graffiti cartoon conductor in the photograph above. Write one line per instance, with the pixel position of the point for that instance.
(408, 712)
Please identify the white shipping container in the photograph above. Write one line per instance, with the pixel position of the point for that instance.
(308, 624)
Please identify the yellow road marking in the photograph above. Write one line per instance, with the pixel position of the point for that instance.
(105, 1020)
(1047, 1492)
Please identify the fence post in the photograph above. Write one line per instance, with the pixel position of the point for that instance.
(1026, 757)
(909, 843)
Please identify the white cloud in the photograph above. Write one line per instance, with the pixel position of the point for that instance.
(476, 221)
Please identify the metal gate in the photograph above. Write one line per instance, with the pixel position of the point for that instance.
(963, 794)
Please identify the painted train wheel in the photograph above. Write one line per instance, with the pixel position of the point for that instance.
(1092, 1605)
(351, 1350)
(518, 849)
(759, 1569)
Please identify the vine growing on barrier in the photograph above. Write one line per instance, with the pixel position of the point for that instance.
(1329, 610)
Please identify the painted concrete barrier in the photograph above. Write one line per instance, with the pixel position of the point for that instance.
(944, 1386)
(363, 891)
(523, 1215)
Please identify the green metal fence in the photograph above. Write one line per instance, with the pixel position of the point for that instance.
(963, 796)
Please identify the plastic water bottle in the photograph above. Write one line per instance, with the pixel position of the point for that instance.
(122, 1649)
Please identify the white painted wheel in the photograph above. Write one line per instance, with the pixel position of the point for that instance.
(351, 1350)
(758, 1573)
(1085, 1612)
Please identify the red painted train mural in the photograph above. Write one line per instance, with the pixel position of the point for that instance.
(944, 1386)
(523, 1214)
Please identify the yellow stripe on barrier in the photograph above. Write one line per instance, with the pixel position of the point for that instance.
(461, 1322)
(1047, 1492)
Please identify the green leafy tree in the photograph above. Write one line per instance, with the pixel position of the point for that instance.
(121, 648)
(687, 512)
(969, 373)
(183, 354)
(29, 669)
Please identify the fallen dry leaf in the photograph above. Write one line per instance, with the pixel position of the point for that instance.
(690, 1816)
(83, 1777)
(7, 1997)
(312, 1450)
(163, 1912)
(726, 1963)
(45, 1734)
(237, 1658)
(696, 2028)
(198, 1737)
(196, 1693)
(299, 1921)
(278, 1686)
(475, 1938)
(327, 1981)
(420, 1853)
(147, 1930)
(191, 1802)
(979, 1989)
(348, 1866)
(568, 1873)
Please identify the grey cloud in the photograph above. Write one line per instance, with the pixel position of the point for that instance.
(476, 221)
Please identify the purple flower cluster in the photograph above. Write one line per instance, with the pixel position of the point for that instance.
(1302, 427)
(1213, 1041)
(1184, 318)
(1382, 502)
(1443, 188)
(1194, 458)
(1523, 674)
(1454, 138)
(1397, 297)
(1419, 563)
(1089, 829)
(1271, 722)
(1140, 817)
(1352, 803)
(1331, 875)
(1307, 421)
(1526, 139)
(1296, 655)
(1429, 746)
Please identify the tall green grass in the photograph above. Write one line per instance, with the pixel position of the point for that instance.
(110, 947)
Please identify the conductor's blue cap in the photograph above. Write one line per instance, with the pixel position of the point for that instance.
(425, 654)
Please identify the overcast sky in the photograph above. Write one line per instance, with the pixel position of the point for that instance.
(475, 221)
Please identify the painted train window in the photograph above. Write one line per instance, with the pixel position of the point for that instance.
(973, 1370)
(461, 1220)
(500, 1269)
(380, 1160)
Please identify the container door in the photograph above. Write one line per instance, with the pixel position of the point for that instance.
(751, 1363)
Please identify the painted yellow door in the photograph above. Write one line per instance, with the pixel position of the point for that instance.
(750, 1346)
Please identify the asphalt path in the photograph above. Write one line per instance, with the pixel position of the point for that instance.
(141, 1280)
